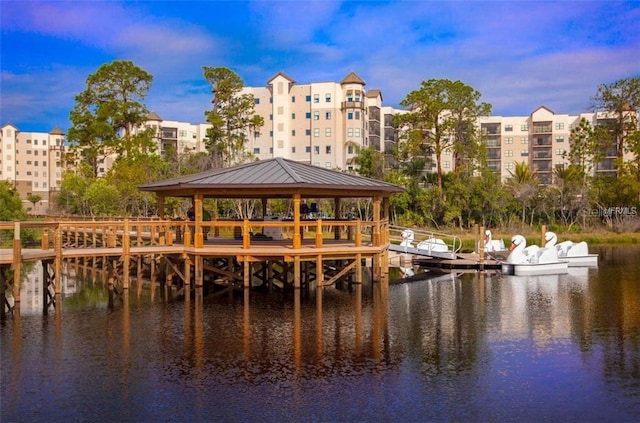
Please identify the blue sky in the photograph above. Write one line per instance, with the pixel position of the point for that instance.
(518, 54)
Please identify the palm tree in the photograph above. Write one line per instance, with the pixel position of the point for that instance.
(523, 184)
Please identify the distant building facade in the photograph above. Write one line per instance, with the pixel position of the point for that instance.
(320, 123)
(33, 163)
(540, 140)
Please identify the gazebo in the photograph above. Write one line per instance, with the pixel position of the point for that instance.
(280, 178)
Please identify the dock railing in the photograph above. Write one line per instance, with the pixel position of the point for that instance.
(117, 233)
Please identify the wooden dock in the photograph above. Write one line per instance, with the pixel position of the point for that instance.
(324, 253)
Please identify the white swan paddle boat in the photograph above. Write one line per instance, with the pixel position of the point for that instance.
(533, 260)
(492, 245)
(576, 253)
(434, 247)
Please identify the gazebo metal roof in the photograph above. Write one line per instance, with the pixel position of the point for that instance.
(272, 178)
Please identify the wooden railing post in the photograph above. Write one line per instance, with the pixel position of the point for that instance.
(246, 235)
(45, 239)
(319, 234)
(358, 233)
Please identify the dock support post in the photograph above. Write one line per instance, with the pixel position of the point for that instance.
(319, 272)
(296, 272)
(246, 283)
(57, 262)
(481, 248)
(126, 258)
(17, 262)
(198, 265)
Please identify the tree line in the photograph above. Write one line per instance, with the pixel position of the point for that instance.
(109, 119)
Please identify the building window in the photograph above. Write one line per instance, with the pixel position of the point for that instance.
(350, 149)
(316, 132)
(327, 132)
(307, 132)
(508, 140)
(293, 115)
(293, 98)
(559, 151)
(525, 140)
(308, 99)
(271, 134)
(44, 142)
(270, 116)
(280, 144)
(256, 134)
(316, 149)
(560, 138)
(508, 128)
(316, 98)
(446, 164)
(308, 115)
(349, 132)
(316, 115)
(357, 133)
(327, 98)
(524, 153)
(256, 150)
(350, 115)
(256, 101)
(357, 115)
(559, 125)
(327, 165)
(270, 150)
(293, 132)
(327, 149)
(509, 166)
(508, 153)
(293, 149)
(524, 127)
(327, 115)
(307, 149)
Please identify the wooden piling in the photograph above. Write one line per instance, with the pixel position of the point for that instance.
(17, 262)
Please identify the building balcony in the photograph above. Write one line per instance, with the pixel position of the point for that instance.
(352, 105)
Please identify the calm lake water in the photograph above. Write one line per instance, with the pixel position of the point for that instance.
(473, 348)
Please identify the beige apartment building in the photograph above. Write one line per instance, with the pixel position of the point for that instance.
(321, 123)
(540, 140)
(32, 162)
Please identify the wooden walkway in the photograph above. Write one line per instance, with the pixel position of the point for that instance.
(324, 253)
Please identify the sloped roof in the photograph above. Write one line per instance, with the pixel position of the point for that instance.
(56, 131)
(284, 75)
(352, 78)
(154, 116)
(272, 178)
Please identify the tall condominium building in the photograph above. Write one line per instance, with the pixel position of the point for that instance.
(32, 162)
(540, 140)
(321, 123)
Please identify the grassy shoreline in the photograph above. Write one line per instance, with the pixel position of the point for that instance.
(596, 237)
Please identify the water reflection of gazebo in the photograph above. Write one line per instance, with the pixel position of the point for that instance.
(315, 258)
